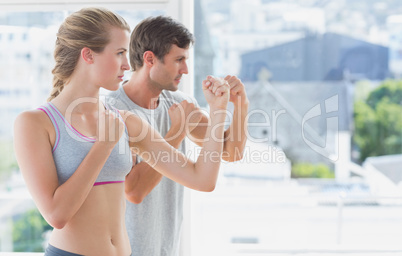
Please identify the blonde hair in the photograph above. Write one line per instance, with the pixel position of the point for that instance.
(88, 27)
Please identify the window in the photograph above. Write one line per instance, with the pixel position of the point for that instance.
(320, 171)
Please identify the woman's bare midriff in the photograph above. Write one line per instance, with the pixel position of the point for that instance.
(98, 228)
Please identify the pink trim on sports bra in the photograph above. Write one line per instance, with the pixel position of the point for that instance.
(70, 126)
(107, 182)
(49, 114)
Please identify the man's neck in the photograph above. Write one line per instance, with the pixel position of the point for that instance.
(142, 93)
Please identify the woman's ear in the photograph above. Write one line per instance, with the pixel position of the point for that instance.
(87, 55)
(149, 58)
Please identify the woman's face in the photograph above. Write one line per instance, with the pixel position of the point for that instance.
(111, 63)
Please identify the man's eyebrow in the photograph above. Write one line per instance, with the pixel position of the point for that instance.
(122, 49)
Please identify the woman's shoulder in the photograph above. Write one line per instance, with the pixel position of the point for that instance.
(33, 119)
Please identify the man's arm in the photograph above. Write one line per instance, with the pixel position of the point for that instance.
(236, 134)
(142, 178)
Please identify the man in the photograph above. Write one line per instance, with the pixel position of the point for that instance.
(159, 48)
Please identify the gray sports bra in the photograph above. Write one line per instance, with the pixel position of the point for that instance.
(71, 147)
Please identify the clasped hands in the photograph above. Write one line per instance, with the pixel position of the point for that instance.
(185, 116)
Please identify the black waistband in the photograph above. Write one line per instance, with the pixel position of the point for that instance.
(53, 251)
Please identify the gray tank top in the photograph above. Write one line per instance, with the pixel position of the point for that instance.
(71, 147)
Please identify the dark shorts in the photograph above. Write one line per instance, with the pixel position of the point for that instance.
(53, 251)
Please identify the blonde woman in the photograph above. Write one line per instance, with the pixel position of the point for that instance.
(74, 152)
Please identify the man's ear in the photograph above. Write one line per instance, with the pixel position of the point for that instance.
(149, 58)
(87, 55)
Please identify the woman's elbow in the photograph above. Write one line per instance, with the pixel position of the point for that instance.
(207, 187)
(134, 198)
(57, 222)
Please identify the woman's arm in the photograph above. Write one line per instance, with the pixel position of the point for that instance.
(33, 148)
(202, 174)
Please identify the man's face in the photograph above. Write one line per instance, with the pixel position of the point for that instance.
(166, 73)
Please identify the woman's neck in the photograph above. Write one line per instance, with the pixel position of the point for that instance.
(78, 98)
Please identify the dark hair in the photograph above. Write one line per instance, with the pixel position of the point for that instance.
(88, 27)
(157, 34)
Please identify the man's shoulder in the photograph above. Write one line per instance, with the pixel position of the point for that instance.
(118, 100)
(112, 95)
(177, 96)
